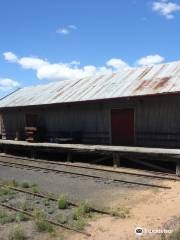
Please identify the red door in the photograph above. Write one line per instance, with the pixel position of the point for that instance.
(122, 127)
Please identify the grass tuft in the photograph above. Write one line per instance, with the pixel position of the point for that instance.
(25, 184)
(6, 217)
(17, 234)
(80, 224)
(62, 202)
(80, 216)
(14, 183)
(41, 224)
(82, 211)
(35, 189)
(6, 194)
(175, 235)
(120, 212)
(21, 217)
(25, 206)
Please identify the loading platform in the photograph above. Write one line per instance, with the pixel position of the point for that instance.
(137, 154)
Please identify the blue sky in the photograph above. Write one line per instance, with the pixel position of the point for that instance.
(43, 41)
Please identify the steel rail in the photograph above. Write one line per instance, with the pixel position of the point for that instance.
(149, 175)
(84, 175)
(48, 220)
(51, 198)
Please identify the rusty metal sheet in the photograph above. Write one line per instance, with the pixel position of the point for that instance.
(157, 79)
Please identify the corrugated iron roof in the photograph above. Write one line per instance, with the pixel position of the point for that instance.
(157, 79)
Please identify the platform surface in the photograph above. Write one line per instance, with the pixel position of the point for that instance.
(106, 149)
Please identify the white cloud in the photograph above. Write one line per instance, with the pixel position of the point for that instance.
(63, 31)
(66, 30)
(7, 84)
(116, 63)
(73, 70)
(58, 71)
(165, 8)
(9, 56)
(62, 71)
(150, 60)
(32, 62)
(75, 63)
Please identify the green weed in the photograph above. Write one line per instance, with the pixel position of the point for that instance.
(6, 194)
(79, 224)
(62, 202)
(82, 211)
(25, 184)
(35, 189)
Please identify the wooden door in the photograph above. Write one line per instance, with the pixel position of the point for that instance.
(122, 127)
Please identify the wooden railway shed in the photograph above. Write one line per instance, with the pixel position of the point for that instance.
(133, 107)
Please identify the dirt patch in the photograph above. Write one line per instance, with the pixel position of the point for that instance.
(149, 210)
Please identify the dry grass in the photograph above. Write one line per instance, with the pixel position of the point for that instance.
(17, 234)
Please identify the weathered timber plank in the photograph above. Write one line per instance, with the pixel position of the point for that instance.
(105, 149)
(178, 168)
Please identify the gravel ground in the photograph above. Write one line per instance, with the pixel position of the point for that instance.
(97, 192)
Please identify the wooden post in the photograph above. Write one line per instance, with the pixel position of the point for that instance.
(178, 167)
(116, 160)
(33, 154)
(5, 149)
(17, 136)
(69, 157)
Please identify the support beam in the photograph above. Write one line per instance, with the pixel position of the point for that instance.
(33, 154)
(178, 167)
(116, 160)
(5, 149)
(147, 164)
(69, 157)
(100, 159)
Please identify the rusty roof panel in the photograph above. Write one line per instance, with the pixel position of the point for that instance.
(157, 79)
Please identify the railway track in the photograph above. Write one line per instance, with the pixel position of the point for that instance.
(41, 195)
(50, 169)
(122, 170)
(50, 198)
(157, 175)
(49, 221)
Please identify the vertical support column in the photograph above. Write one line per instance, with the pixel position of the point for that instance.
(4, 149)
(178, 167)
(116, 159)
(33, 154)
(69, 157)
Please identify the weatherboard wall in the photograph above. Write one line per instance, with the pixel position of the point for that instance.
(157, 120)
